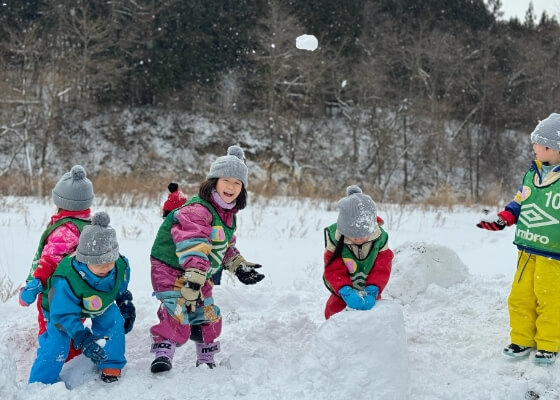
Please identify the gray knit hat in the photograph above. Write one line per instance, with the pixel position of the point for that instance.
(74, 191)
(357, 215)
(547, 132)
(98, 242)
(230, 166)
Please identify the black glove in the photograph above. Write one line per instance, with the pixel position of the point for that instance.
(85, 340)
(247, 274)
(127, 309)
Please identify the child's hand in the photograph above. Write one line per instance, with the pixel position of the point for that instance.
(247, 274)
(85, 340)
(28, 294)
(496, 222)
(353, 299)
(127, 309)
(194, 279)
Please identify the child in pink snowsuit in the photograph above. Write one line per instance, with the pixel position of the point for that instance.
(73, 195)
(192, 244)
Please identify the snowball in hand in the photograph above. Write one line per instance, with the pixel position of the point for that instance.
(307, 42)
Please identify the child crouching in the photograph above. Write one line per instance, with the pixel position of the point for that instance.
(87, 285)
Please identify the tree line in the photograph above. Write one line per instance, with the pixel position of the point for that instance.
(434, 84)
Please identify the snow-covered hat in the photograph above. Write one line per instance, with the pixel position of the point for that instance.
(74, 191)
(547, 132)
(98, 242)
(231, 165)
(357, 214)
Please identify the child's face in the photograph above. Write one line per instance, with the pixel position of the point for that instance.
(358, 241)
(228, 188)
(101, 269)
(546, 154)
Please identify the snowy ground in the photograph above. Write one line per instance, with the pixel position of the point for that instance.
(437, 334)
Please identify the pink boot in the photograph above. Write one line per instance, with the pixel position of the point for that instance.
(205, 353)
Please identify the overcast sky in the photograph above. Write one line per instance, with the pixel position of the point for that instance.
(518, 8)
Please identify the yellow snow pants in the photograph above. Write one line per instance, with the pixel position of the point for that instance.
(534, 303)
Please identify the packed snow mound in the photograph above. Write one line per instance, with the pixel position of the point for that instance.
(8, 376)
(417, 265)
(358, 353)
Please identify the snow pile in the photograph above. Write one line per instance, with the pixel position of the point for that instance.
(8, 376)
(418, 265)
(359, 353)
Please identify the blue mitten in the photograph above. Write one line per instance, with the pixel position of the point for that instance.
(371, 295)
(127, 309)
(352, 298)
(28, 294)
(85, 340)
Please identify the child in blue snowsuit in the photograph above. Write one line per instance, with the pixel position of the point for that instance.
(87, 285)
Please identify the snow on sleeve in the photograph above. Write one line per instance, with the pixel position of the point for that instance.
(418, 265)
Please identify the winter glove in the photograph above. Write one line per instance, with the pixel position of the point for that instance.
(85, 340)
(371, 295)
(244, 270)
(127, 309)
(497, 223)
(353, 299)
(28, 294)
(194, 279)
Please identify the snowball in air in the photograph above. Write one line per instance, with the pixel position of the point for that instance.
(307, 42)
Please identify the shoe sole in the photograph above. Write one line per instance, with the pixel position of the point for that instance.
(517, 355)
(160, 366)
(545, 361)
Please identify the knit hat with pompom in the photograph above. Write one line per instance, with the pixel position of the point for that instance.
(175, 198)
(74, 191)
(357, 214)
(98, 241)
(231, 165)
(547, 132)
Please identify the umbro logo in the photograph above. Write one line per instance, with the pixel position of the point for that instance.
(533, 216)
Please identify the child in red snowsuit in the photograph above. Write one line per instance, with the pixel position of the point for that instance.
(357, 257)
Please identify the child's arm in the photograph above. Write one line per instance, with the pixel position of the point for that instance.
(191, 235)
(64, 308)
(124, 300)
(61, 242)
(381, 271)
(336, 273)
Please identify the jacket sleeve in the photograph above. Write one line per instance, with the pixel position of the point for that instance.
(191, 235)
(124, 285)
(381, 271)
(61, 242)
(336, 273)
(65, 308)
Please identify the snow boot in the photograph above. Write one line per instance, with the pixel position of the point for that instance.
(164, 351)
(205, 353)
(545, 357)
(110, 375)
(514, 350)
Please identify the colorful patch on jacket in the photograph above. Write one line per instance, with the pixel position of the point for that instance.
(218, 234)
(93, 303)
(525, 193)
(351, 264)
